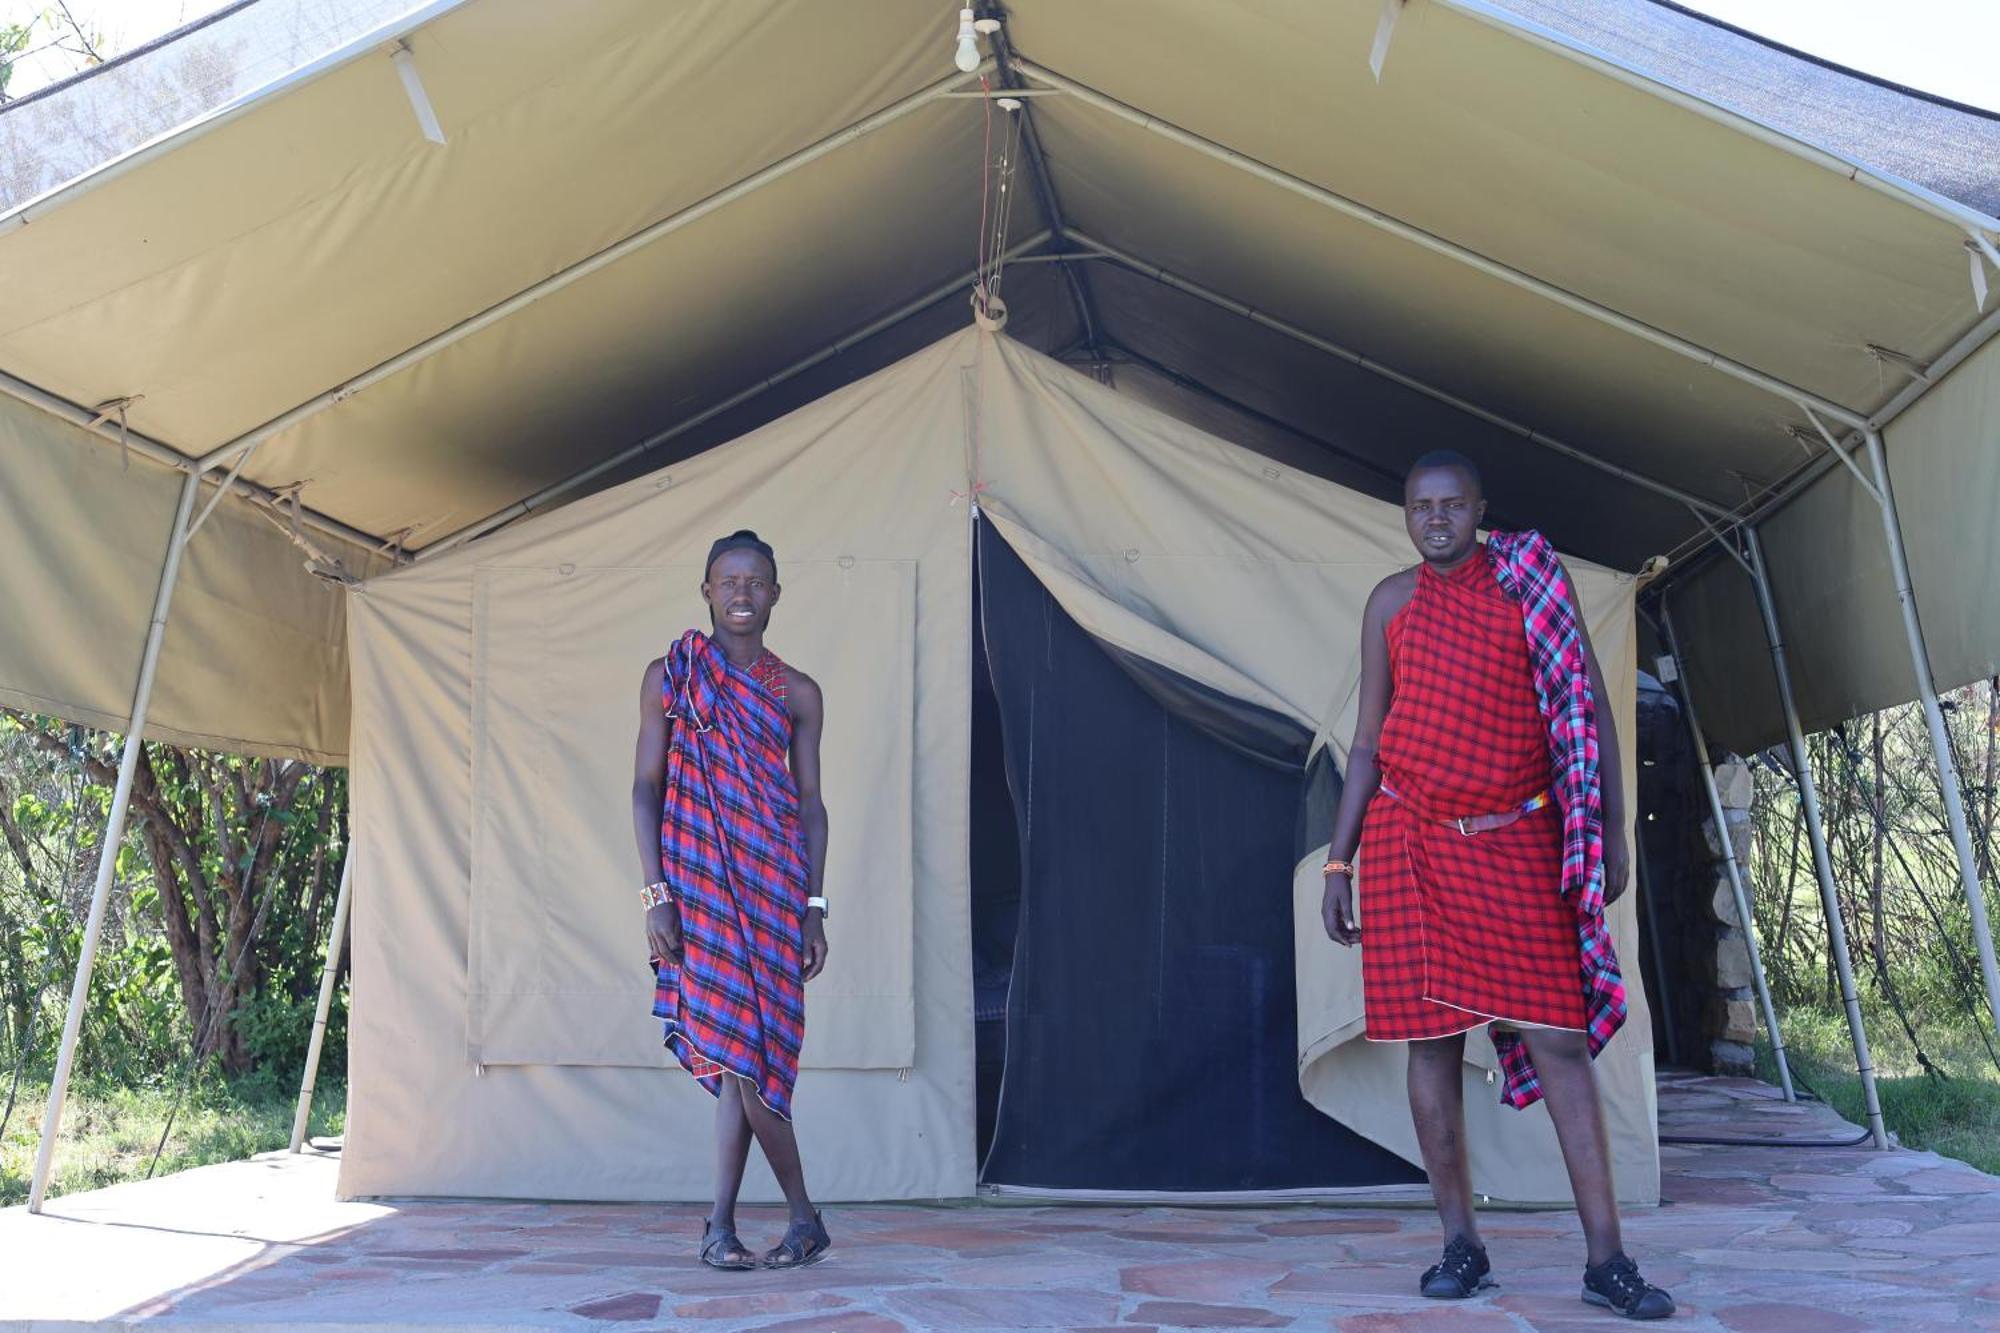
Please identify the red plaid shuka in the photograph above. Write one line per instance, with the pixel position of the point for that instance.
(731, 847)
(1462, 930)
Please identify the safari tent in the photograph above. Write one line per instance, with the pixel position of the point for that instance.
(379, 416)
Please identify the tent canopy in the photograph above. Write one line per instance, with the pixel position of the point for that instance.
(1616, 295)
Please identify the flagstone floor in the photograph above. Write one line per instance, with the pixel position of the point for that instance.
(1752, 1239)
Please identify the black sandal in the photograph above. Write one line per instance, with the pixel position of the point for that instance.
(804, 1245)
(717, 1247)
(1462, 1271)
(1616, 1285)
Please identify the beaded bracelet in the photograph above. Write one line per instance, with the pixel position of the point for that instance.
(656, 895)
(1337, 868)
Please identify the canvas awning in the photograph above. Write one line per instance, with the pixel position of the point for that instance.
(275, 251)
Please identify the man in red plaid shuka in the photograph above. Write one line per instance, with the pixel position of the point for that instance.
(1483, 794)
(732, 842)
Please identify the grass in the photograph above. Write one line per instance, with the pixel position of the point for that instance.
(109, 1134)
(1958, 1116)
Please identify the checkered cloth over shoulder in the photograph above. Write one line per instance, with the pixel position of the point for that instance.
(1527, 567)
(731, 847)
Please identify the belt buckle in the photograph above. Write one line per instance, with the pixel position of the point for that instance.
(1459, 824)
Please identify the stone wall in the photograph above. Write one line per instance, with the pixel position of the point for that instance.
(1729, 1010)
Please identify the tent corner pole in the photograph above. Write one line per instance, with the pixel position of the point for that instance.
(1920, 662)
(336, 939)
(1836, 929)
(1730, 866)
(114, 833)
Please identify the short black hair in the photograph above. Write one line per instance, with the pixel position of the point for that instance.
(741, 540)
(1443, 460)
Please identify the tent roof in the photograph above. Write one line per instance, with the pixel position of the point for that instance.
(646, 213)
(1931, 141)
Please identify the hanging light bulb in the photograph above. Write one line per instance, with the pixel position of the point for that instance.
(967, 58)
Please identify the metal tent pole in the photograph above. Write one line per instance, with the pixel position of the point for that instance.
(1665, 1009)
(1836, 929)
(336, 938)
(114, 834)
(1920, 661)
(1728, 845)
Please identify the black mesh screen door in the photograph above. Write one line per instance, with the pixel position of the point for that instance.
(1148, 1040)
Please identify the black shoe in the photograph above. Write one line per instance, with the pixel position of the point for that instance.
(1616, 1285)
(1461, 1272)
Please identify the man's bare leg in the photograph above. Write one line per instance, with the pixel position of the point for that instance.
(732, 1154)
(1562, 1059)
(1437, 1105)
(781, 1150)
(1610, 1278)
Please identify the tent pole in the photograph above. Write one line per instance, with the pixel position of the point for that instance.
(583, 268)
(1789, 488)
(1373, 367)
(1920, 662)
(1728, 845)
(1836, 929)
(1045, 189)
(145, 446)
(1666, 1007)
(1436, 244)
(336, 938)
(114, 834)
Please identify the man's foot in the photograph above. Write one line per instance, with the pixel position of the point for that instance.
(1616, 1285)
(804, 1245)
(1461, 1272)
(720, 1248)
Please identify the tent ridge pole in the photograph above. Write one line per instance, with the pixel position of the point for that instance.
(1045, 188)
(582, 268)
(1744, 912)
(501, 517)
(1148, 269)
(1493, 268)
(335, 939)
(114, 834)
(1836, 928)
(1920, 664)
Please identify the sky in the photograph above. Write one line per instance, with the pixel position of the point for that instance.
(1947, 47)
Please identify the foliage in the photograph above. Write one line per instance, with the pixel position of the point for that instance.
(215, 931)
(1908, 924)
(110, 1134)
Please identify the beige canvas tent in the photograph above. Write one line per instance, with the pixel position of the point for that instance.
(477, 265)
(500, 880)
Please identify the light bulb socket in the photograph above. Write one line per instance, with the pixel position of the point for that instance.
(966, 57)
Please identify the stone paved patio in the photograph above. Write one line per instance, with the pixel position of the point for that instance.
(1751, 1239)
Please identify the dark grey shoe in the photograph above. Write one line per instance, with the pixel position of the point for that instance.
(1463, 1271)
(1616, 1285)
